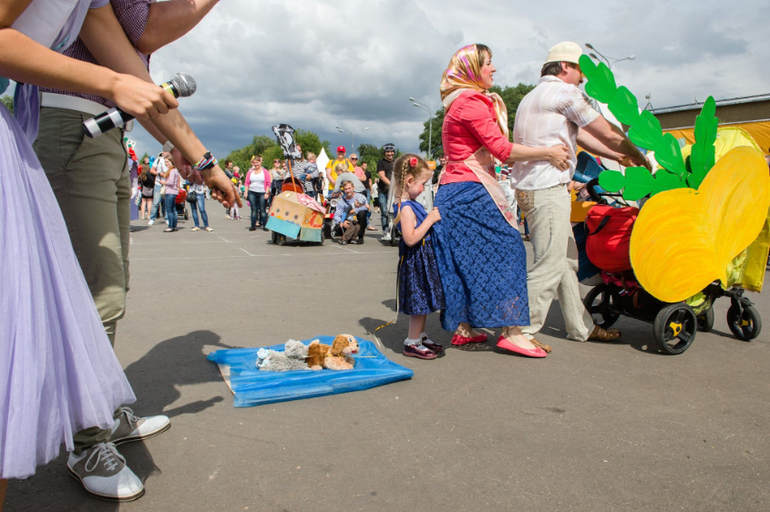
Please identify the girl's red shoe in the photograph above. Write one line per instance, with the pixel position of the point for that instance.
(458, 340)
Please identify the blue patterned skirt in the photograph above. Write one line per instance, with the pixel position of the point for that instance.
(481, 260)
(419, 285)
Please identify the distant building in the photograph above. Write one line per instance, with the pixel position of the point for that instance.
(752, 113)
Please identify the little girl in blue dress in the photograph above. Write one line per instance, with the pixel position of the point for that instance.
(419, 285)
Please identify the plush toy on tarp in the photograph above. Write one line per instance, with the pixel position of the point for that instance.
(253, 386)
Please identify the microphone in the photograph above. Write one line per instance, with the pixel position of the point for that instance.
(181, 85)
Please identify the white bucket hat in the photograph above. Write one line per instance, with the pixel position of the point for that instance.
(565, 52)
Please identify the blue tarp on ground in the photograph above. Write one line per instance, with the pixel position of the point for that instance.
(252, 386)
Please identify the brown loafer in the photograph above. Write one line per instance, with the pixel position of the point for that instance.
(601, 334)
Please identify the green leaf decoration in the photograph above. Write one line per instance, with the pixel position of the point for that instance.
(702, 157)
(612, 181)
(669, 155)
(646, 132)
(624, 106)
(665, 180)
(601, 83)
(639, 183)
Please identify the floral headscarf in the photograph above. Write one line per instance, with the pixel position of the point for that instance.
(464, 72)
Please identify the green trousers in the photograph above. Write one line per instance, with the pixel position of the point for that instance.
(90, 179)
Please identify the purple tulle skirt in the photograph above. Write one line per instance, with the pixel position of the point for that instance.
(58, 372)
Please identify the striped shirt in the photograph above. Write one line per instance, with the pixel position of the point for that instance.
(549, 115)
(133, 16)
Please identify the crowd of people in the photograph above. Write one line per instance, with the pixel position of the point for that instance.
(67, 196)
(159, 183)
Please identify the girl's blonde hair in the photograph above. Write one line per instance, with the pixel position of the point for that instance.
(407, 164)
(340, 168)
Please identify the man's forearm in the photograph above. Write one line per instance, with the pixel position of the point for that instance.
(609, 136)
(116, 53)
(593, 145)
(168, 21)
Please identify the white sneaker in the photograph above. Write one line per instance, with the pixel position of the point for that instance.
(195, 229)
(152, 221)
(209, 230)
(386, 237)
(103, 473)
(129, 427)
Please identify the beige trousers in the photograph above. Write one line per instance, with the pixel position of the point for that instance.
(90, 179)
(554, 272)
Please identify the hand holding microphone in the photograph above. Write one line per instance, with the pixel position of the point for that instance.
(141, 98)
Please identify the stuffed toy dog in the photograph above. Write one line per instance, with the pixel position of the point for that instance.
(333, 357)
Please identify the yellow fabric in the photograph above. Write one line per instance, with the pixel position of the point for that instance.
(748, 268)
(684, 239)
(464, 72)
(332, 164)
(756, 135)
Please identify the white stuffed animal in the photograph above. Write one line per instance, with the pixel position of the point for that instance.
(290, 359)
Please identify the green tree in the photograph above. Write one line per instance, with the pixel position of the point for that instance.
(512, 96)
(8, 102)
(370, 154)
(310, 141)
(268, 147)
(436, 145)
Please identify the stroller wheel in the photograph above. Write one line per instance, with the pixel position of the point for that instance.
(744, 321)
(601, 302)
(675, 328)
(706, 320)
(393, 236)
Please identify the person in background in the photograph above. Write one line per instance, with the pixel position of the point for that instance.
(276, 179)
(368, 186)
(199, 205)
(331, 167)
(385, 173)
(256, 188)
(147, 184)
(350, 214)
(312, 176)
(173, 182)
(158, 203)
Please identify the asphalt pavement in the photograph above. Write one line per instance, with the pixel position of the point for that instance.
(593, 427)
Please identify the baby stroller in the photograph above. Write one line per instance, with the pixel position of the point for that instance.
(675, 325)
(181, 204)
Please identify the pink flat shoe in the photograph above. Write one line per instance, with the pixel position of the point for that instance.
(504, 344)
(458, 340)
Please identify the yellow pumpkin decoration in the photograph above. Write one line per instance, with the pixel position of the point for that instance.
(684, 239)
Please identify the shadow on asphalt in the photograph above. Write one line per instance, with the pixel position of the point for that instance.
(156, 379)
(156, 382)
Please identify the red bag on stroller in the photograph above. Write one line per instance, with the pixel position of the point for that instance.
(609, 236)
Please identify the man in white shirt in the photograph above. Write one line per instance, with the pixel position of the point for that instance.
(557, 112)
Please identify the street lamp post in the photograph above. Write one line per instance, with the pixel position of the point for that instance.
(352, 136)
(607, 60)
(430, 122)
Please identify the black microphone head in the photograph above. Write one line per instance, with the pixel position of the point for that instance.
(184, 84)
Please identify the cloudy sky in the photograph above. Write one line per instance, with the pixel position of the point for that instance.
(315, 64)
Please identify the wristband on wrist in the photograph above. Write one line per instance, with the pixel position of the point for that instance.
(207, 162)
(168, 146)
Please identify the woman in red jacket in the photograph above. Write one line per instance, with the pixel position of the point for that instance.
(482, 261)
